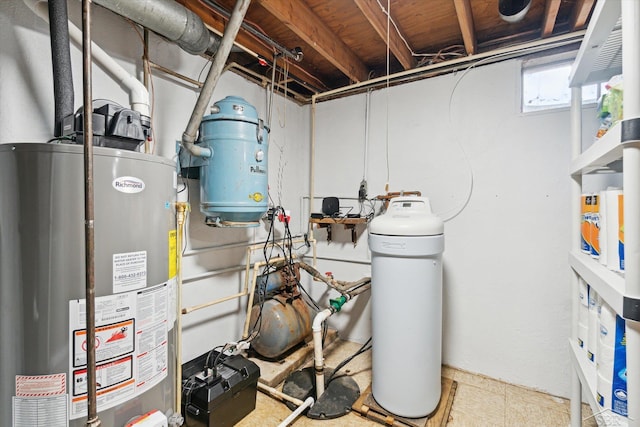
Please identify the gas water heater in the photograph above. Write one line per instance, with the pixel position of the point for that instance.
(234, 180)
(43, 368)
(406, 245)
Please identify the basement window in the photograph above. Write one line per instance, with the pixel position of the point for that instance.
(546, 87)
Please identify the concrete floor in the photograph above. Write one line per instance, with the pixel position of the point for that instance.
(479, 401)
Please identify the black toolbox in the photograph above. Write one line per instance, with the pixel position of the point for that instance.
(220, 396)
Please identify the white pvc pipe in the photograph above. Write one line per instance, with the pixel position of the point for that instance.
(318, 358)
(278, 394)
(138, 94)
(307, 403)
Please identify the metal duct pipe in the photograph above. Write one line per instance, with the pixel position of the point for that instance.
(169, 19)
(230, 32)
(61, 61)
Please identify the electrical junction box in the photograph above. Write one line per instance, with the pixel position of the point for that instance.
(218, 397)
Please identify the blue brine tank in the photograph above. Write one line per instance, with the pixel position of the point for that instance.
(234, 182)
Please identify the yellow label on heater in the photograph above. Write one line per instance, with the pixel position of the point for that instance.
(173, 253)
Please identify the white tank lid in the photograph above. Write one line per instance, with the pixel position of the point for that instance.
(407, 216)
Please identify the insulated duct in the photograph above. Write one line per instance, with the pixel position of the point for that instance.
(61, 61)
(169, 19)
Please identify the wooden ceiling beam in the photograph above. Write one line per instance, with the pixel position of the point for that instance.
(300, 19)
(378, 20)
(550, 14)
(214, 21)
(580, 14)
(465, 19)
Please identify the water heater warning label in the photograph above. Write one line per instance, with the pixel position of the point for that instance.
(111, 341)
(131, 343)
(129, 271)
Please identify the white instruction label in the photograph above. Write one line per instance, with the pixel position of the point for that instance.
(171, 297)
(40, 411)
(151, 337)
(40, 400)
(129, 271)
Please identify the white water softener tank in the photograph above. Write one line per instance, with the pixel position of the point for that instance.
(406, 243)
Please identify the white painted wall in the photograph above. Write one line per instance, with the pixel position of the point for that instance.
(26, 115)
(458, 137)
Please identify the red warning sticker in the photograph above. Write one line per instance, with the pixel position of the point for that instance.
(41, 385)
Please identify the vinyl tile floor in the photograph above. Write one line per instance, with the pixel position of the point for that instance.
(479, 401)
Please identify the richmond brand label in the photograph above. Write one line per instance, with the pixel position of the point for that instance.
(128, 184)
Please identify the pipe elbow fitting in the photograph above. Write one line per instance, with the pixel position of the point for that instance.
(196, 150)
(320, 318)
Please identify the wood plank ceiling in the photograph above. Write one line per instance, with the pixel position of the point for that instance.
(347, 41)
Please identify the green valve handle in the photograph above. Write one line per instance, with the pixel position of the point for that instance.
(337, 303)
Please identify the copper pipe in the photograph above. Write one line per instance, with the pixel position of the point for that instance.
(175, 74)
(92, 410)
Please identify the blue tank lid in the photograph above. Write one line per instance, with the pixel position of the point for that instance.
(233, 108)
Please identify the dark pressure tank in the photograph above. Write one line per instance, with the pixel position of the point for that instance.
(283, 324)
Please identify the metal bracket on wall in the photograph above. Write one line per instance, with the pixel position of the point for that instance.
(631, 308)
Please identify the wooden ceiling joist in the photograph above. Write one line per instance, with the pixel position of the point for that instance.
(465, 19)
(216, 22)
(551, 9)
(378, 20)
(580, 14)
(300, 19)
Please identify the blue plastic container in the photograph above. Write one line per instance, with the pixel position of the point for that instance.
(234, 183)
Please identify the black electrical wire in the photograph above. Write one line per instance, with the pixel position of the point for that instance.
(187, 388)
(365, 347)
(217, 360)
(206, 363)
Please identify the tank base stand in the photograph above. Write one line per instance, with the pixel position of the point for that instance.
(338, 397)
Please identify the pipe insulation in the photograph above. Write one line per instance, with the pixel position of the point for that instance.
(61, 62)
(215, 71)
(168, 19)
(138, 94)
